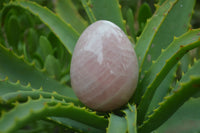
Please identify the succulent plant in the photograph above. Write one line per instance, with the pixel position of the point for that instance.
(39, 41)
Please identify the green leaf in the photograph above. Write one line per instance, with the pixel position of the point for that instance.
(117, 124)
(8, 87)
(131, 118)
(75, 125)
(178, 95)
(160, 2)
(52, 66)
(184, 62)
(162, 90)
(16, 68)
(42, 108)
(194, 70)
(153, 24)
(26, 20)
(59, 50)
(65, 79)
(13, 31)
(88, 11)
(184, 120)
(129, 4)
(130, 24)
(108, 10)
(67, 35)
(170, 27)
(143, 14)
(12, 92)
(37, 59)
(162, 66)
(172, 103)
(68, 12)
(31, 41)
(45, 47)
(35, 94)
(40, 126)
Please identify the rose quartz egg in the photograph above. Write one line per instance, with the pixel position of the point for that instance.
(104, 67)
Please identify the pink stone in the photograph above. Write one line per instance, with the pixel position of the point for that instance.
(104, 67)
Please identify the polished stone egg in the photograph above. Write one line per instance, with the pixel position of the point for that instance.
(104, 67)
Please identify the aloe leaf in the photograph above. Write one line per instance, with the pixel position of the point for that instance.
(130, 23)
(52, 66)
(13, 31)
(182, 123)
(40, 126)
(65, 79)
(194, 70)
(45, 47)
(26, 20)
(150, 30)
(160, 2)
(31, 42)
(172, 103)
(131, 118)
(117, 124)
(177, 94)
(35, 94)
(171, 26)
(42, 108)
(37, 60)
(11, 92)
(88, 11)
(185, 61)
(68, 12)
(143, 14)
(75, 125)
(8, 87)
(16, 68)
(162, 90)
(59, 50)
(162, 66)
(67, 35)
(107, 10)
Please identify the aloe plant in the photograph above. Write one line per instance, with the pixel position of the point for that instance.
(37, 40)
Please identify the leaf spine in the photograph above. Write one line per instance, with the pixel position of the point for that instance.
(175, 38)
(41, 88)
(189, 66)
(28, 85)
(156, 6)
(120, 6)
(52, 98)
(195, 60)
(40, 97)
(18, 82)
(153, 61)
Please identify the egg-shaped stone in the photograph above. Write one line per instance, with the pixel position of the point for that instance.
(104, 67)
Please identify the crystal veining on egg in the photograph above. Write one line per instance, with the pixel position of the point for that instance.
(104, 67)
